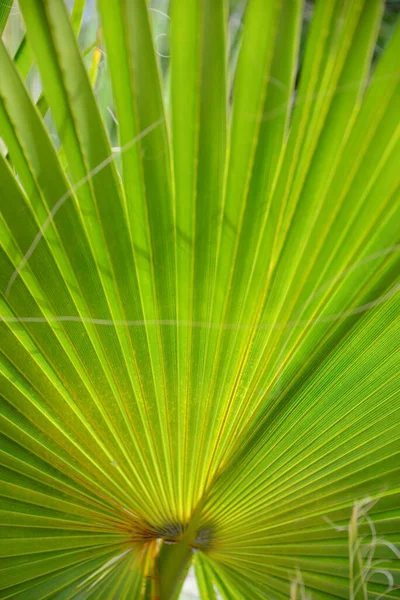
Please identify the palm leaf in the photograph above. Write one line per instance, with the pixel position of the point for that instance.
(199, 326)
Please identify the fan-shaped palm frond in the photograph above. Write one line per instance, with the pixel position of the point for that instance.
(199, 312)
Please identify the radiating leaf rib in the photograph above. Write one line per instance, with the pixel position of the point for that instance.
(23, 57)
(33, 406)
(59, 100)
(160, 217)
(204, 580)
(199, 137)
(30, 466)
(210, 160)
(59, 572)
(5, 9)
(247, 244)
(269, 319)
(186, 61)
(385, 417)
(133, 119)
(382, 347)
(29, 182)
(19, 430)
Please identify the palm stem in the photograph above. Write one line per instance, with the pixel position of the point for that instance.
(174, 559)
(173, 563)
